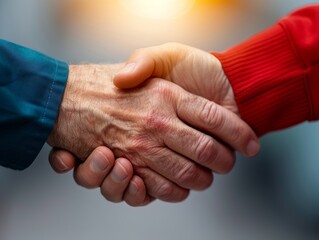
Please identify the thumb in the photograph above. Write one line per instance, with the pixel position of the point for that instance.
(142, 65)
(136, 71)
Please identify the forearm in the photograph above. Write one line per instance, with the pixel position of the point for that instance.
(274, 74)
(31, 88)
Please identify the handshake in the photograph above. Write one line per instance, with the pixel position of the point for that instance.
(154, 128)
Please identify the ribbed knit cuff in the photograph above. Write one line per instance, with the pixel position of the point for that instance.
(269, 84)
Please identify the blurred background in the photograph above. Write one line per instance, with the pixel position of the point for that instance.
(273, 196)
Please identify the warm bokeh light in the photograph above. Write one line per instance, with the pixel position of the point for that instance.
(119, 27)
(158, 9)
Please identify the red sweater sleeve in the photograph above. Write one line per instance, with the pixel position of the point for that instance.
(275, 74)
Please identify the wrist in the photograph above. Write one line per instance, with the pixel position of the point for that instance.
(229, 101)
(220, 89)
(74, 127)
(55, 139)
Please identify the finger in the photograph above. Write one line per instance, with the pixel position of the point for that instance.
(136, 195)
(97, 166)
(160, 188)
(61, 161)
(115, 184)
(199, 147)
(133, 74)
(218, 121)
(176, 168)
(143, 64)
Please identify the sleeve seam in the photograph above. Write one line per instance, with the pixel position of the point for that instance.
(50, 92)
(303, 66)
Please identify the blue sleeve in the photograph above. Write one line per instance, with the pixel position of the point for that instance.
(31, 90)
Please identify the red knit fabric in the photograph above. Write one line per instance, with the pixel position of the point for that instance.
(275, 74)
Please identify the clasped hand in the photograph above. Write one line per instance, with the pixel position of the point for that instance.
(177, 125)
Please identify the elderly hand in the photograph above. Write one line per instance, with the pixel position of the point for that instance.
(151, 127)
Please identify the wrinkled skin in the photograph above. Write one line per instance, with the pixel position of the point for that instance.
(150, 126)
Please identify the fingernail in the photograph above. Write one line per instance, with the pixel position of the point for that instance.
(118, 173)
(253, 148)
(128, 68)
(61, 165)
(99, 164)
(132, 189)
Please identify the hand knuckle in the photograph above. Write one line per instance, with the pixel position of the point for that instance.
(210, 114)
(141, 143)
(238, 134)
(165, 191)
(206, 151)
(241, 134)
(188, 174)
